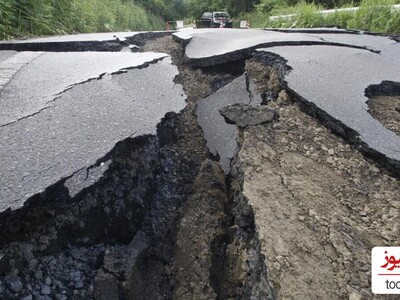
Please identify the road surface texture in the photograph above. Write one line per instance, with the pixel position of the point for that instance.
(200, 164)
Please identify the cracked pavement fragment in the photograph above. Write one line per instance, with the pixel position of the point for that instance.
(49, 74)
(220, 136)
(84, 124)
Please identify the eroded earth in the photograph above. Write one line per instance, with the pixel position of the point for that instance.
(200, 164)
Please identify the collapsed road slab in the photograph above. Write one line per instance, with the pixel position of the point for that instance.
(83, 123)
(329, 30)
(208, 47)
(335, 80)
(220, 136)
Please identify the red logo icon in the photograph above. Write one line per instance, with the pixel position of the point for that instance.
(385, 270)
(391, 264)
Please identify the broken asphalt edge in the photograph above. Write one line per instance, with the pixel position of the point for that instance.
(249, 52)
(59, 192)
(334, 30)
(112, 45)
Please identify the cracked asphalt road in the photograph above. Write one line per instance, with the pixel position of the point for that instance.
(117, 142)
(38, 78)
(40, 94)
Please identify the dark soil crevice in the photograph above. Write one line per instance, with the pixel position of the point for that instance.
(384, 104)
(232, 254)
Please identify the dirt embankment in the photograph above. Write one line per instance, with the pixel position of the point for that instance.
(319, 205)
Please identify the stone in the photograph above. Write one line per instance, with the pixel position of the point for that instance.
(366, 294)
(15, 284)
(48, 281)
(106, 287)
(45, 290)
(61, 297)
(244, 115)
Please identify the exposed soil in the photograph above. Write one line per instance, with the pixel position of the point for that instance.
(319, 205)
(296, 218)
(386, 109)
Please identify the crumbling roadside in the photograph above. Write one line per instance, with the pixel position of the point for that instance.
(319, 205)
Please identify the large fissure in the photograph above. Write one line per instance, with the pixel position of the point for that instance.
(159, 213)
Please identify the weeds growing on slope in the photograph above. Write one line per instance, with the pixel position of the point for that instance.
(41, 17)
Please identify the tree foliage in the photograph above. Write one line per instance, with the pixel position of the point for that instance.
(266, 6)
(39, 17)
(196, 8)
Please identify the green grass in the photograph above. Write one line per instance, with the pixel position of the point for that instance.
(373, 15)
(20, 18)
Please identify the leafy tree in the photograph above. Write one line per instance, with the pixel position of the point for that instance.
(234, 7)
